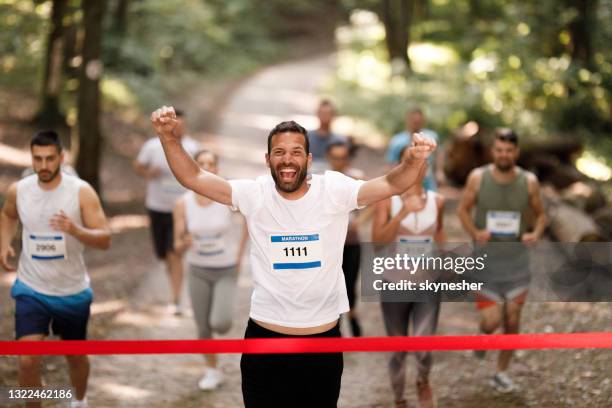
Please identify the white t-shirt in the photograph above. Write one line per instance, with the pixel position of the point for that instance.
(296, 251)
(163, 191)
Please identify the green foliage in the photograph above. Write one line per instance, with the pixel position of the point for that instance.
(514, 67)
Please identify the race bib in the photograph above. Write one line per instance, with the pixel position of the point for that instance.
(416, 245)
(209, 245)
(47, 246)
(296, 251)
(504, 223)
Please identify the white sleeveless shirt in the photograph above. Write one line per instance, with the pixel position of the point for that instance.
(417, 226)
(210, 228)
(51, 262)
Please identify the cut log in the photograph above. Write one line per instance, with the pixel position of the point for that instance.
(603, 218)
(585, 196)
(568, 223)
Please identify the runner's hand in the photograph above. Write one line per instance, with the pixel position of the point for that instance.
(165, 123)
(61, 222)
(7, 253)
(184, 244)
(482, 236)
(422, 147)
(529, 238)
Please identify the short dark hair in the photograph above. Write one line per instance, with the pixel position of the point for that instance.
(338, 143)
(47, 138)
(288, 126)
(506, 135)
(206, 151)
(327, 102)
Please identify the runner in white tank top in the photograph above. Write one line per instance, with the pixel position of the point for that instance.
(60, 215)
(207, 232)
(413, 218)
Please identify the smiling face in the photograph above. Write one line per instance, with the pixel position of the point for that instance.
(288, 161)
(46, 162)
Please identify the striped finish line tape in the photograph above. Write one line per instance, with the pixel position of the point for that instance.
(311, 345)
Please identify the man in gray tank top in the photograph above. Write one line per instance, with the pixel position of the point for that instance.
(60, 214)
(501, 194)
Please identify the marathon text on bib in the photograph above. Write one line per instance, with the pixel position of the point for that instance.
(45, 246)
(296, 251)
(504, 223)
(208, 245)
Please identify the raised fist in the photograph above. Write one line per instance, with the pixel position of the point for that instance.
(421, 148)
(165, 123)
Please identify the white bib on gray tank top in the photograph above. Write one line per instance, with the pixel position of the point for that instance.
(210, 226)
(51, 262)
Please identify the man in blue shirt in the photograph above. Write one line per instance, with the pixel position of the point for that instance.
(415, 122)
(323, 137)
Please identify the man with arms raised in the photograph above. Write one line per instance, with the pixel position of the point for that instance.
(60, 215)
(297, 229)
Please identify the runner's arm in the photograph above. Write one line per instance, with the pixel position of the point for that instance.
(400, 178)
(537, 206)
(184, 168)
(468, 199)
(182, 239)
(95, 231)
(384, 229)
(439, 234)
(9, 221)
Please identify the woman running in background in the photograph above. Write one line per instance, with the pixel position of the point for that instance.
(205, 230)
(414, 217)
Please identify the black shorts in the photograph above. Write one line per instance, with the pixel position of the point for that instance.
(162, 231)
(290, 380)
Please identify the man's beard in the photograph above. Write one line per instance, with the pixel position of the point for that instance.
(45, 176)
(301, 176)
(505, 167)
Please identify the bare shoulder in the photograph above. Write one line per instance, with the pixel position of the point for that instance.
(475, 177)
(87, 194)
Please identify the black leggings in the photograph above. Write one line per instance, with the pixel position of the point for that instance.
(290, 380)
(351, 259)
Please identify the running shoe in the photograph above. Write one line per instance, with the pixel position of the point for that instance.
(212, 380)
(174, 309)
(424, 394)
(502, 383)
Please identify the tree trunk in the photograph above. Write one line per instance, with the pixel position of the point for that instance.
(118, 30)
(90, 137)
(581, 29)
(72, 44)
(396, 16)
(49, 113)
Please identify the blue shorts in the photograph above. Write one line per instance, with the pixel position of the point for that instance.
(35, 313)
